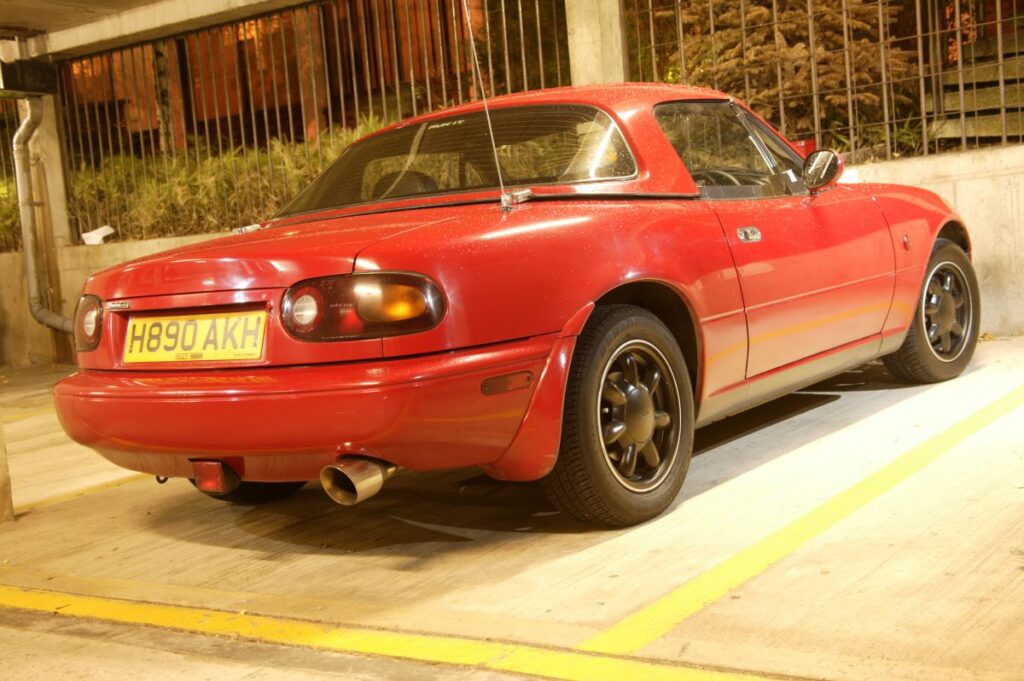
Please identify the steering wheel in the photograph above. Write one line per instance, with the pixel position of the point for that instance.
(710, 173)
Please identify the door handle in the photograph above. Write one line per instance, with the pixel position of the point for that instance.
(749, 235)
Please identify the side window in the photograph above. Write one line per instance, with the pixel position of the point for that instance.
(718, 151)
(589, 150)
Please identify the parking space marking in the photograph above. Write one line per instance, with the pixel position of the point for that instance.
(81, 492)
(653, 621)
(552, 663)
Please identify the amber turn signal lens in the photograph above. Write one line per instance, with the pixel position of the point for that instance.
(379, 303)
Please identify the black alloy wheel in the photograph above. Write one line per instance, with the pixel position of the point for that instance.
(638, 413)
(944, 333)
(947, 311)
(627, 422)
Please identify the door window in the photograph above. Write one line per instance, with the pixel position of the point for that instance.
(719, 151)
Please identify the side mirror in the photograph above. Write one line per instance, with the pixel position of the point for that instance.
(822, 169)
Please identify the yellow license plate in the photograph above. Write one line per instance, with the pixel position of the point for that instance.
(196, 338)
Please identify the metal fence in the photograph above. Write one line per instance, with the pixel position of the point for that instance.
(874, 79)
(218, 127)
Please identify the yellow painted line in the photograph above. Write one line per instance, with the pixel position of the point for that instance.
(655, 620)
(567, 665)
(21, 416)
(81, 492)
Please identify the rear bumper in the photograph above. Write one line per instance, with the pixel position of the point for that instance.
(278, 424)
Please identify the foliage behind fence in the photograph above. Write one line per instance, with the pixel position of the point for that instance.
(188, 195)
(10, 228)
(873, 78)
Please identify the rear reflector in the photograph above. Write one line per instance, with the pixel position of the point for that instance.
(214, 477)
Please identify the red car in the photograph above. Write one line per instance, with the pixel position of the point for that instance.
(649, 259)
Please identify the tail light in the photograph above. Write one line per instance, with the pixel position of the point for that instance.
(88, 323)
(353, 306)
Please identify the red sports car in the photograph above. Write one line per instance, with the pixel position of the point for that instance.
(561, 293)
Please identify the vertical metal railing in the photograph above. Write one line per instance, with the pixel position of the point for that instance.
(10, 224)
(218, 127)
(877, 79)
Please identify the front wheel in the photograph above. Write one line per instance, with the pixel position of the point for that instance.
(944, 333)
(627, 429)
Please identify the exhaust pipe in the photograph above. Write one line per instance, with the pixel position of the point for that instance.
(351, 479)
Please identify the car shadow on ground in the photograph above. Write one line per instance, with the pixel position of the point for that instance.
(872, 376)
(465, 510)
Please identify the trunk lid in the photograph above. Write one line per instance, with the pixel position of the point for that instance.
(270, 258)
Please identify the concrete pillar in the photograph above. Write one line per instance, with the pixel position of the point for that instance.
(176, 97)
(597, 41)
(165, 119)
(6, 502)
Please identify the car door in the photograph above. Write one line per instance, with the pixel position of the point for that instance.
(816, 270)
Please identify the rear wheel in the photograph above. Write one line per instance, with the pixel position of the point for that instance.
(255, 493)
(944, 333)
(627, 429)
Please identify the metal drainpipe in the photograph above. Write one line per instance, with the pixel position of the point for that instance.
(26, 204)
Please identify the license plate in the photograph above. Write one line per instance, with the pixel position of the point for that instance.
(196, 338)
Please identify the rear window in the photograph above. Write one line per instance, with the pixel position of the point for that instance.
(535, 145)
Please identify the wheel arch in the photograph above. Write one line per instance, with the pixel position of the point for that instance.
(954, 231)
(674, 311)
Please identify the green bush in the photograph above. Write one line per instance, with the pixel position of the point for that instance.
(10, 225)
(179, 194)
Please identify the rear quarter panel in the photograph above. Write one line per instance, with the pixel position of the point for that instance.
(530, 271)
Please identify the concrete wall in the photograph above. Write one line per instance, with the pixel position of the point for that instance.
(22, 340)
(986, 187)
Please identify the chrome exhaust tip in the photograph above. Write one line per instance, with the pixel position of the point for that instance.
(351, 479)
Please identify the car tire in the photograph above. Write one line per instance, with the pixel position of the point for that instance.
(942, 338)
(255, 493)
(628, 390)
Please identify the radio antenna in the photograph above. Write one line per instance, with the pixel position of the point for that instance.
(507, 200)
